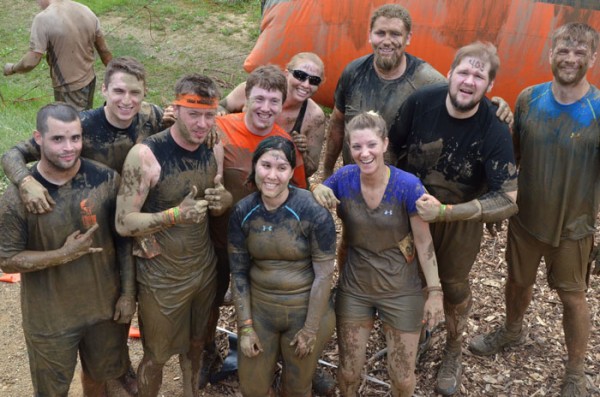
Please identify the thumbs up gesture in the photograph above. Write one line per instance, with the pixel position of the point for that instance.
(192, 210)
(219, 198)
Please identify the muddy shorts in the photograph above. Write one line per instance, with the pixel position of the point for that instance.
(81, 99)
(102, 348)
(456, 248)
(404, 313)
(567, 267)
(166, 335)
(276, 325)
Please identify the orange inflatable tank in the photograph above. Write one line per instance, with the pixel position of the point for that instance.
(337, 30)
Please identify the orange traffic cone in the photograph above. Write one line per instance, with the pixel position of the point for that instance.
(10, 277)
(134, 332)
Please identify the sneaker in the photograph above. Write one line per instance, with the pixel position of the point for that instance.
(574, 385)
(449, 374)
(323, 383)
(495, 341)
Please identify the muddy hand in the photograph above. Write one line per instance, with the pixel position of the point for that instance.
(249, 342)
(217, 197)
(504, 113)
(433, 313)
(304, 340)
(169, 118)
(324, 196)
(8, 69)
(124, 309)
(300, 141)
(81, 244)
(36, 198)
(212, 139)
(428, 208)
(192, 210)
(494, 228)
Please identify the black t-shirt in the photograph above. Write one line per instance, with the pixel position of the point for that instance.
(458, 160)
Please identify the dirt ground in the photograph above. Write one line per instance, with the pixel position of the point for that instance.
(534, 369)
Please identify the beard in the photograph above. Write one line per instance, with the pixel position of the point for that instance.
(569, 79)
(463, 107)
(387, 64)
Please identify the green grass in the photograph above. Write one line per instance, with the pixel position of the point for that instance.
(156, 32)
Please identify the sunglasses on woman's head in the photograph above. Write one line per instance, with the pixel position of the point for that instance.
(301, 76)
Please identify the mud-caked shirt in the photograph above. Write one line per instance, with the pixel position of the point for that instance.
(66, 32)
(108, 144)
(85, 290)
(187, 260)
(559, 168)
(457, 160)
(375, 265)
(360, 89)
(281, 244)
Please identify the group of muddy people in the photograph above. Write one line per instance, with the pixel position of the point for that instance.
(130, 206)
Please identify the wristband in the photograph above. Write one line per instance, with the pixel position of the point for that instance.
(169, 215)
(176, 214)
(433, 288)
(442, 213)
(247, 330)
(247, 323)
(313, 187)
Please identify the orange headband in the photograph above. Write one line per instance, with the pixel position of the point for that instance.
(196, 101)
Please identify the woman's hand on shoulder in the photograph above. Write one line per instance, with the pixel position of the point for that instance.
(324, 196)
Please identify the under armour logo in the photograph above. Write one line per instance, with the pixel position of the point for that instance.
(388, 212)
(267, 228)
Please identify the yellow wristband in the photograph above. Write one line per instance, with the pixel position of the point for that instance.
(442, 213)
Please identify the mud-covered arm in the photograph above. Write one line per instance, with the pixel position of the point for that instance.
(235, 101)
(306, 337)
(126, 304)
(34, 195)
(315, 135)
(29, 61)
(491, 207)
(76, 245)
(240, 263)
(15, 159)
(103, 51)
(140, 173)
(335, 142)
(434, 311)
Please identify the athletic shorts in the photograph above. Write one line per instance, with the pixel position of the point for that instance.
(404, 313)
(102, 348)
(567, 267)
(166, 335)
(81, 99)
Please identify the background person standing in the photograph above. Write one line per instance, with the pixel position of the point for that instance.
(67, 32)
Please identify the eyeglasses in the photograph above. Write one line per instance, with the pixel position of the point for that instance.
(301, 76)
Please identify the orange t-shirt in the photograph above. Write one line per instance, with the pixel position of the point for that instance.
(239, 144)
